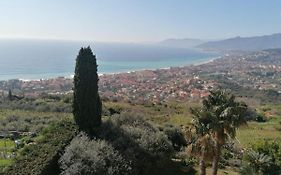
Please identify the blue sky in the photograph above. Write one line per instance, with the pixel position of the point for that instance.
(138, 20)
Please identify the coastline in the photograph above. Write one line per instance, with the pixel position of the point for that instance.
(70, 76)
(165, 68)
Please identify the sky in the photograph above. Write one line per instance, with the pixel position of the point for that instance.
(138, 20)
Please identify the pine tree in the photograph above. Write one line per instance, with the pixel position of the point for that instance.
(86, 103)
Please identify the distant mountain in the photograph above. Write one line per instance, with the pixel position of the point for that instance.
(245, 43)
(181, 43)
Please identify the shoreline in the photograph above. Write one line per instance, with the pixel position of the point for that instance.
(202, 62)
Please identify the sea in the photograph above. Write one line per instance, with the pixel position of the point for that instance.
(28, 59)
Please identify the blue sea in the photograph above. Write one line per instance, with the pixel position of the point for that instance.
(42, 59)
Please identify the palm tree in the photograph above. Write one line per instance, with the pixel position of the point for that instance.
(219, 116)
(203, 149)
(202, 143)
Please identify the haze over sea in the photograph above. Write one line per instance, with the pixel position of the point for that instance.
(42, 59)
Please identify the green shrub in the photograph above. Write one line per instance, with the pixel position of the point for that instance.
(27, 123)
(231, 155)
(253, 115)
(247, 170)
(272, 148)
(261, 118)
(123, 139)
(138, 141)
(263, 159)
(176, 136)
(42, 157)
(85, 156)
(51, 104)
(259, 162)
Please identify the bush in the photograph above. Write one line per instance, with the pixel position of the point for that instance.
(85, 156)
(42, 157)
(264, 159)
(260, 118)
(273, 150)
(259, 162)
(129, 140)
(231, 155)
(175, 136)
(43, 104)
(253, 115)
(139, 141)
(28, 123)
(247, 170)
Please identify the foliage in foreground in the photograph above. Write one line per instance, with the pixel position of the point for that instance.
(42, 157)
(264, 159)
(126, 140)
(86, 156)
(257, 163)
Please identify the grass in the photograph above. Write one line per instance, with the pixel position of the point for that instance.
(226, 171)
(5, 162)
(6, 143)
(174, 113)
(6, 150)
(23, 113)
(248, 135)
(7, 146)
(269, 130)
(174, 168)
(178, 114)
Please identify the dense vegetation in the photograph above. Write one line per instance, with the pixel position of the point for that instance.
(162, 116)
(42, 157)
(43, 103)
(126, 144)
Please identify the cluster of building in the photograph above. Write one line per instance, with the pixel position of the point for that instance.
(259, 70)
(155, 85)
(33, 88)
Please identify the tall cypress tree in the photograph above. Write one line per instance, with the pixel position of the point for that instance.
(86, 102)
(10, 95)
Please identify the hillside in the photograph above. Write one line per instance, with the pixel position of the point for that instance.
(245, 43)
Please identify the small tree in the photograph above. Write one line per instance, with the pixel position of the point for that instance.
(86, 103)
(219, 117)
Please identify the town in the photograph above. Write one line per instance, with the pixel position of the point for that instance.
(259, 71)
